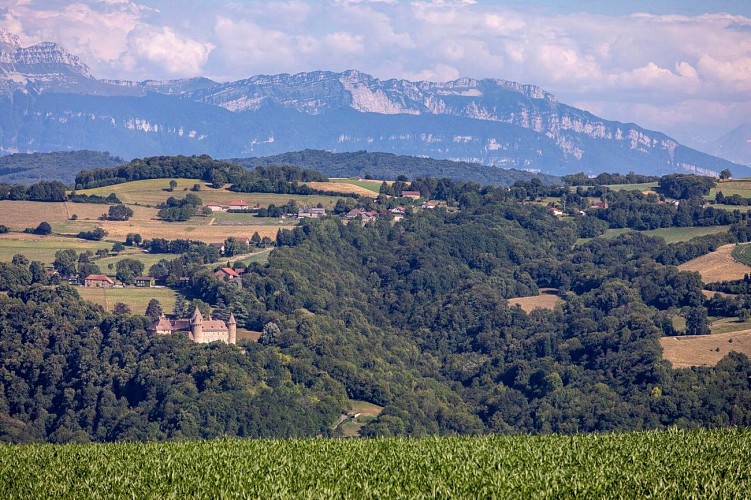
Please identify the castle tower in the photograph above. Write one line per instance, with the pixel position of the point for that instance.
(232, 324)
(196, 326)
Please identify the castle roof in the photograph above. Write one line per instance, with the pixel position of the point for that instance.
(197, 317)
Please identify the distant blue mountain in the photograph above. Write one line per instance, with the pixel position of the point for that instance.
(49, 101)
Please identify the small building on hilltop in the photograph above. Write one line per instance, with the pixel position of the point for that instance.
(98, 281)
(197, 329)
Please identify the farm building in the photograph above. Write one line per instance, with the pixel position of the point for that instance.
(145, 281)
(215, 207)
(411, 194)
(197, 329)
(311, 213)
(98, 281)
(237, 205)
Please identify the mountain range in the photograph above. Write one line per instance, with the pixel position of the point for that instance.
(50, 101)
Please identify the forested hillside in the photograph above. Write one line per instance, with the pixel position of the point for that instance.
(391, 166)
(412, 316)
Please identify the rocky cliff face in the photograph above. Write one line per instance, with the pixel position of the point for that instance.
(489, 121)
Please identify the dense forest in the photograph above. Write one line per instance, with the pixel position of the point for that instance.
(390, 166)
(413, 316)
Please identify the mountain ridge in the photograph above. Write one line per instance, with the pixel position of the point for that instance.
(50, 101)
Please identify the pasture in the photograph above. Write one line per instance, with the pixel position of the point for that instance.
(741, 187)
(704, 350)
(43, 248)
(656, 464)
(152, 192)
(645, 186)
(136, 298)
(349, 186)
(717, 266)
(547, 299)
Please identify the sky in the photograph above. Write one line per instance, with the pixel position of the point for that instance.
(682, 67)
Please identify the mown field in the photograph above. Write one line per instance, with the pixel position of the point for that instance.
(547, 299)
(717, 266)
(43, 248)
(136, 298)
(670, 464)
(704, 350)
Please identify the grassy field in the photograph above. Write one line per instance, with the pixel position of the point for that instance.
(136, 298)
(547, 299)
(669, 234)
(43, 248)
(704, 350)
(717, 266)
(646, 186)
(740, 187)
(347, 186)
(668, 464)
(153, 191)
(361, 413)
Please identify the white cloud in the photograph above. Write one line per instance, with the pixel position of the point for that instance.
(165, 49)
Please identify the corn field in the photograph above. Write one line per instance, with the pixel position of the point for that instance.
(670, 464)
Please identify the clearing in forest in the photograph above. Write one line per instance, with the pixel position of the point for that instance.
(704, 350)
(136, 298)
(547, 299)
(717, 266)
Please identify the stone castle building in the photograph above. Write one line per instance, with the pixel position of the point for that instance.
(197, 329)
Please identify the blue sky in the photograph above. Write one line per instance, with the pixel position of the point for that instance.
(681, 67)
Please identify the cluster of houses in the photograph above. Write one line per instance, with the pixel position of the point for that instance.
(303, 213)
(104, 281)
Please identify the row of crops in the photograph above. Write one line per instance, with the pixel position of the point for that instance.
(671, 464)
(742, 253)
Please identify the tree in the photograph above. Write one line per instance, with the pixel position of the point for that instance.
(119, 212)
(65, 262)
(154, 309)
(126, 270)
(43, 228)
(118, 247)
(20, 260)
(121, 308)
(172, 184)
(725, 174)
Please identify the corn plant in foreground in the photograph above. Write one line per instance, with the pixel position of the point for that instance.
(670, 464)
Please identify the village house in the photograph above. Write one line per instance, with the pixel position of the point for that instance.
(227, 274)
(411, 194)
(429, 204)
(237, 205)
(556, 211)
(398, 210)
(311, 213)
(98, 281)
(354, 213)
(145, 281)
(197, 329)
(599, 205)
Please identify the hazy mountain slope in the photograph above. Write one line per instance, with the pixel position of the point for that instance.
(735, 145)
(23, 168)
(390, 166)
(50, 101)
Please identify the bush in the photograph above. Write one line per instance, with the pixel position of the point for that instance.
(43, 228)
(94, 235)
